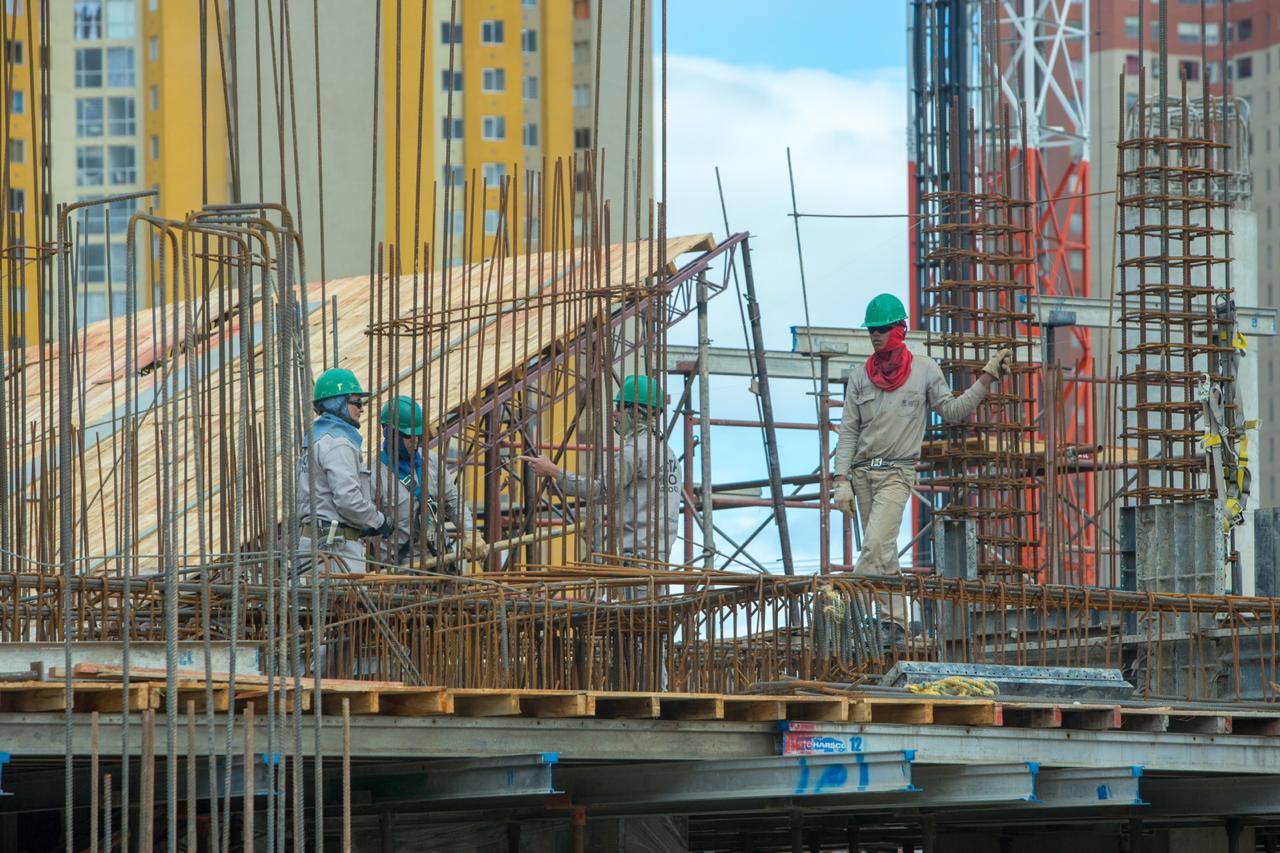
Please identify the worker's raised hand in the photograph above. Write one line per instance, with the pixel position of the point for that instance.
(541, 465)
(842, 497)
(471, 546)
(1000, 364)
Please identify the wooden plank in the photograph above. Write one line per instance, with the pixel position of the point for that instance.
(1025, 715)
(1255, 724)
(414, 702)
(631, 706)
(111, 701)
(754, 709)
(1091, 718)
(907, 712)
(965, 713)
(38, 699)
(562, 705)
(822, 709)
(690, 707)
(361, 703)
(257, 697)
(196, 693)
(1205, 724)
(485, 703)
(1144, 719)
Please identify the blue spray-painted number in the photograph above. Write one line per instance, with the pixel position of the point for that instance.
(832, 778)
(186, 658)
(1104, 792)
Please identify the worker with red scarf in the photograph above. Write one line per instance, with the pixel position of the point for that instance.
(883, 425)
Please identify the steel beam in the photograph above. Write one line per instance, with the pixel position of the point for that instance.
(1241, 796)
(1088, 787)
(464, 780)
(639, 786)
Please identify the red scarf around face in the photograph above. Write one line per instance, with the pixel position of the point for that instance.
(890, 367)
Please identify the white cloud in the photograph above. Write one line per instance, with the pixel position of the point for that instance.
(848, 146)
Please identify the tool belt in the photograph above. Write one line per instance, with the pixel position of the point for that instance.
(323, 525)
(880, 463)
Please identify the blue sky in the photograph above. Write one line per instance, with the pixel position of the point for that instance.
(843, 36)
(748, 80)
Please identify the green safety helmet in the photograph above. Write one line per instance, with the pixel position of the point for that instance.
(640, 391)
(408, 415)
(885, 310)
(338, 382)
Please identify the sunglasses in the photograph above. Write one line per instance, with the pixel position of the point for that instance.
(881, 330)
(355, 401)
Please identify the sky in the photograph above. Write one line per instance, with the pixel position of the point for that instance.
(748, 80)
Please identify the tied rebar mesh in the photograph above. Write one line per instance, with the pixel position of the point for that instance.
(1176, 189)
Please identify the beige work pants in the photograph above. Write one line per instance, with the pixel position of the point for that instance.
(882, 495)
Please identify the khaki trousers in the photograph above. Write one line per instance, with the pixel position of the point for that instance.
(882, 495)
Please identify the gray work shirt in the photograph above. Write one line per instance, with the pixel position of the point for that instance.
(646, 500)
(344, 487)
(396, 499)
(890, 424)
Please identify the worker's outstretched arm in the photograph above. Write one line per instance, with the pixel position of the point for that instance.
(953, 408)
(847, 443)
(352, 489)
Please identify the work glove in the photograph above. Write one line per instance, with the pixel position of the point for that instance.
(388, 527)
(471, 546)
(1000, 364)
(842, 497)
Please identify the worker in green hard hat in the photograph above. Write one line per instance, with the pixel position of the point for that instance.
(336, 509)
(407, 487)
(644, 502)
(882, 428)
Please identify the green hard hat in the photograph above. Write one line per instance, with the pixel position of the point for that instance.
(640, 391)
(885, 310)
(408, 415)
(337, 382)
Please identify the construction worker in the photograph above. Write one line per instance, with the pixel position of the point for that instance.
(405, 478)
(645, 501)
(341, 513)
(883, 427)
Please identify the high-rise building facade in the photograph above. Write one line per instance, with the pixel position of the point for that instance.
(467, 94)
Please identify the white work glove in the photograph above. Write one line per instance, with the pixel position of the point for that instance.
(471, 546)
(842, 497)
(1000, 364)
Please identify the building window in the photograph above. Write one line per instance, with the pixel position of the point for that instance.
(120, 67)
(153, 5)
(155, 147)
(529, 2)
(581, 95)
(18, 103)
(14, 51)
(119, 261)
(529, 41)
(450, 33)
(1244, 29)
(494, 128)
(494, 80)
(121, 19)
(1211, 34)
(89, 166)
(87, 15)
(1189, 33)
(1211, 72)
(451, 128)
(120, 213)
(580, 182)
(451, 80)
(1244, 67)
(530, 87)
(1189, 70)
(17, 201)
(494, 173)
(121, 120)
(454, 176)
(13, 7)
(491, 32)
(122, 164)
(93, 262)
(155, 98)
(531, 134)
(582, 53)
(1131, 64)
(88, 67)
(153, 49)
(17, 151)
(582, 137)
(88, 117)
(491, 222)
(91, 218)
(1131, 28)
